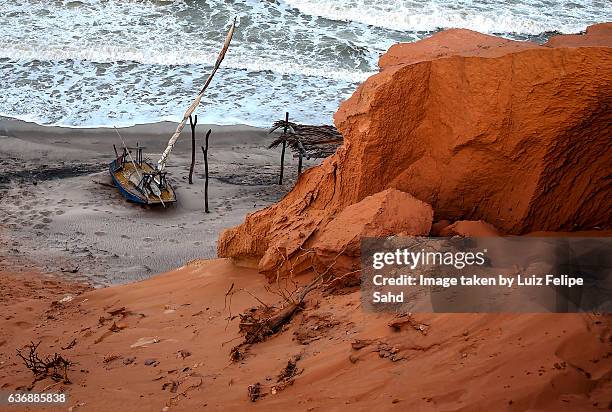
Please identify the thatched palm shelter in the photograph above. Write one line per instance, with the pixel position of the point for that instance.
(305, 141)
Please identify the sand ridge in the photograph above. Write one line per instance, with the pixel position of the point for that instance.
(166, 342)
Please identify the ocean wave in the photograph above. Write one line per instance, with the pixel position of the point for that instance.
(95, 63)
(114, 54)
(103, 123)
(528, 17)
(83, 94)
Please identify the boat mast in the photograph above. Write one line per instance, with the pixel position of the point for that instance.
(161, 164)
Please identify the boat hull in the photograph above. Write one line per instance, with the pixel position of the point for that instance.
(129, 191)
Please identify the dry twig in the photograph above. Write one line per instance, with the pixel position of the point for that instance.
(55, 366)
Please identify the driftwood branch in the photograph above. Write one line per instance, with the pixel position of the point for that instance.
(55, 366)
(257, 324)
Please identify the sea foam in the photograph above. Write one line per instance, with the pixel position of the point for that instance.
(110, 62)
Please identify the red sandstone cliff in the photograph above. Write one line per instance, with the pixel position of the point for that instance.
(479, 127)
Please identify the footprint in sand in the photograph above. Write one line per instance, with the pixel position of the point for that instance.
(23, 325)
(125, 237)
(59, 212)
(46, 220)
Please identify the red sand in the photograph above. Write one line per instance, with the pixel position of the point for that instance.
(456, 362)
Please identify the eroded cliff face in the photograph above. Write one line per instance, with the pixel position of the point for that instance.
(481, 128)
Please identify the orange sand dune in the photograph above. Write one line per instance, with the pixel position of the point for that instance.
(348, 359)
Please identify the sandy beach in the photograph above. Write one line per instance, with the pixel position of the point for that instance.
(59, 207)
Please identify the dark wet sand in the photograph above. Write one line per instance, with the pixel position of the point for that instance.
(58, 206)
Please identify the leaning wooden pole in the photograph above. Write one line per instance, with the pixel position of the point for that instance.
(161, 163)
(205, 152)
(282, 165)
(192, 122)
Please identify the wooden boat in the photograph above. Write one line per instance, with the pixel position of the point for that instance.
(138, 181)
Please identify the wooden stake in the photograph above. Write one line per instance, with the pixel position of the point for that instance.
(192, 122)
(282, 166)
(301, 156)
(205, 152)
